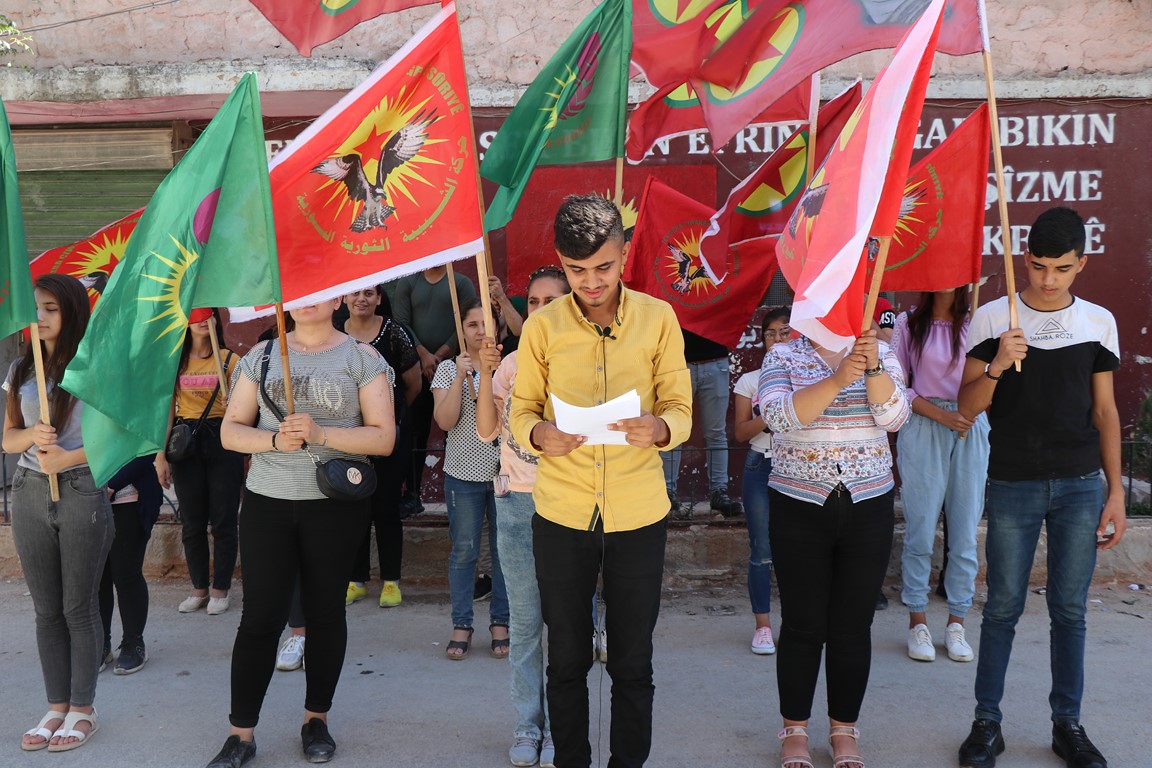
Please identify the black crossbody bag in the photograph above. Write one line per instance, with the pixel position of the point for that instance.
(182, 438)
(342, 479)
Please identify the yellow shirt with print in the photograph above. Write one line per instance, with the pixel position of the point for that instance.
(194, 386)
(562, 353)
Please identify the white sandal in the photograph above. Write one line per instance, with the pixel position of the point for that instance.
(845, 759)
(41, 731)
(804, 761)
(68, 731)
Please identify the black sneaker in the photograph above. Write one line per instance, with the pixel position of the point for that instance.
(409, 505)
(881, 600)
(984, 742)
(106, 657)
(483, 588)
(234, 754)
(132, 657)
(724, 505)
(1072, 744)
(318, 744)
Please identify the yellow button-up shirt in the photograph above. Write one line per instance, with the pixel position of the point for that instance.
(561, 352)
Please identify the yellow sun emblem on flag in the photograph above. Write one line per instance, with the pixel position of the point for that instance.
(102, 256)
(628, 212)
(172, 312)
(553, 109)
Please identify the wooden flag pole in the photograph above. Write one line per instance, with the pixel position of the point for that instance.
(874, 289)
(220, 372)
(618, 193)
(460, 344)
(998, 161)
(283, 331)
(813, 115)
(42, 392)
(975, 303)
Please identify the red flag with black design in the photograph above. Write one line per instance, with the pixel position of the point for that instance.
(92, 259)
(664, 261)
(805, 36)
(760, 206)
(663, 31)
(309, 23)
(939, 233)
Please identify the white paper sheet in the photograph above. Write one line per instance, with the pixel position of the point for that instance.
(593, 422)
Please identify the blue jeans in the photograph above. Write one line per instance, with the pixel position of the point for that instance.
(1070, 508)
(710, 392)
(938, 469)
(757, 468)
(514, 539)
(469, 503)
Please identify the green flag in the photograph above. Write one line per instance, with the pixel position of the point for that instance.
(206, 239)
(17, 303)
(574, 111)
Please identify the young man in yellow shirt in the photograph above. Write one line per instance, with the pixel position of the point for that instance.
(600, 508)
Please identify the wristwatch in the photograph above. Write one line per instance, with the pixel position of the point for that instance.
(879, 369)
(988, 373)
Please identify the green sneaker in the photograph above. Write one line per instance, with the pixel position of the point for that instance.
(356, 592)
(390, 595)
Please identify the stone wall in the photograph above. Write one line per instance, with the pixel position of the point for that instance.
(1043, 49)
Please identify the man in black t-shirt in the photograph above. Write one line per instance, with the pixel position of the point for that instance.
(1055, 427)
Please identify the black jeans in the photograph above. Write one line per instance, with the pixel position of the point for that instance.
(830, 562)
(568, 562)
(390, 474)
(208, 484)
(420, 417)
(124, 571)
(279, 540)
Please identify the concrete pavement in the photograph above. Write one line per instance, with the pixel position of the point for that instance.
(401, 703)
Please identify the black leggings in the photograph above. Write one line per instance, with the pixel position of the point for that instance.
(124, 571)
(830, 562)
(280, 539)
(390, 475)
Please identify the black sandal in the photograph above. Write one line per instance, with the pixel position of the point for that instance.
(500, 648)
(459, 645)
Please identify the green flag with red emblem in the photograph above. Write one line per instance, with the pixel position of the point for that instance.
(206, 239)
(574, 111)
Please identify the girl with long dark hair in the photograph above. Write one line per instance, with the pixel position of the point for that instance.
(943, 461)
(62, 545)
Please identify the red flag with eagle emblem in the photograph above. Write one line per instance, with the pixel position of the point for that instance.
(800, 37)
(92, 259)
(759, 207)
(673, 43)
(309, 23)
(821, 251)
(939, 234)
(384, 183)
(664, 261)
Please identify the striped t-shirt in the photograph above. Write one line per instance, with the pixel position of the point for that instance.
(325, 385)
(847, 443)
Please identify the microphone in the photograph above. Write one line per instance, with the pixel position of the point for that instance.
(606, 333)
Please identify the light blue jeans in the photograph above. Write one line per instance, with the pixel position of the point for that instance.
(469, 503)
(1070, 510)
(757, 469)
(710, 392)
(526, 653)
(938, 469)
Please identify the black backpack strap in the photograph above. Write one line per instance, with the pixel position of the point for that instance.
(264, 364)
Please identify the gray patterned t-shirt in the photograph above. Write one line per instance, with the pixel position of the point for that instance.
(325, 385)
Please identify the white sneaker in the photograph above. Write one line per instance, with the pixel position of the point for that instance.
(192, 603)
(217, 605)
(291, 654)
(920, 644)
(547, 753)
(603, 646)
(762, 643)
(957, 645)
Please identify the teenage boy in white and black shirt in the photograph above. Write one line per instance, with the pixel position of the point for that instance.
(1054, 429)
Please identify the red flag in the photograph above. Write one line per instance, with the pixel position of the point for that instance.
(939, 233)
(804, 36)
(309, 23)
(92, 259)
(384, 183)
(759, 207)
(663, 31)
(675, 111)
(822, 247)
(664, 261)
